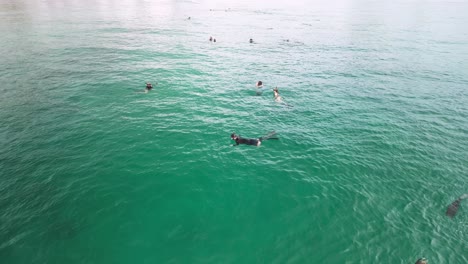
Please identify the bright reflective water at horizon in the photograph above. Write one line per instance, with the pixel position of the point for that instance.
(372, 133)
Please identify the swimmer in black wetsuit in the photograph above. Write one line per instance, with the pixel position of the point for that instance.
(252, 141)
(148, 87)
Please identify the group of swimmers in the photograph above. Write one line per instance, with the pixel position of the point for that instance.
(276, 94)
(451, 211)
(236, 138)
(214, 40)
(258, 141)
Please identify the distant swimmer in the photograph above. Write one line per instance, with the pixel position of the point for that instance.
(421, 261)
(253, 141)
(211, 38)
(278, 98)
(214, 40)
(259, 86)
(149, 86)
(251, 40)
(277, 95)
(454, 206)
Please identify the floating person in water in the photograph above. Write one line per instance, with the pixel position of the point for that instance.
(214, 40)
(251, 40)
(211, 38)
(278, 98)
(277, 95)
(148, 88)
(453, 207)
(253, 141)
(421, 261)
(259, 86)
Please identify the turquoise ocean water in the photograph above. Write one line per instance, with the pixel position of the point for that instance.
(373, 131)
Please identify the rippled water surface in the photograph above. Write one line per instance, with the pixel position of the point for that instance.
(373, 131)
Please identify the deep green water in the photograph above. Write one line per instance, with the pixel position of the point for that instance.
(373, 140)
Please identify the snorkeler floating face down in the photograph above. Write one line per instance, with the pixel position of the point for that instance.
(246, 141)
(253, 141)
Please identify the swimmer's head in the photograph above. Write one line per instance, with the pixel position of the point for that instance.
(233, 136)
(421, 261)
(259, 83)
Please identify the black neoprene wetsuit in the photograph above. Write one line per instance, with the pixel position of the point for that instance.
(247, 141)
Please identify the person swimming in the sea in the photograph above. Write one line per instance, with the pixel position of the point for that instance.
(259, 86)
(149, 86)
(279, 99)
(453, 207)
(421, 261)
(253, 141)
(277, 95)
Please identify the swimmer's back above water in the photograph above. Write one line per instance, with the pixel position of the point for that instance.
(253, 141)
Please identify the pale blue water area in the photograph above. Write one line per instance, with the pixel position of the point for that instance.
(373, 131)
